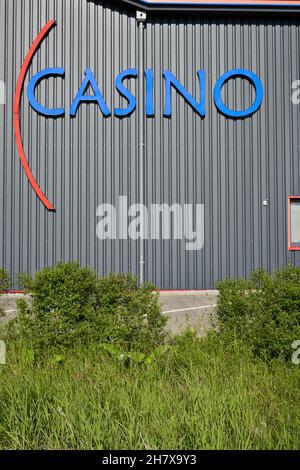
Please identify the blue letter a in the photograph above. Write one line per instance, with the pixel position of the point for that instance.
(82, 98)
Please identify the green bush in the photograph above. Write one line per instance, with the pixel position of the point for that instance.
(130, 316)
(5, 284)
(62, 306)
(70, 306)
(5, 281)
(264, 311)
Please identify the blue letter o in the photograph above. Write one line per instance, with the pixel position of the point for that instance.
(255, 81)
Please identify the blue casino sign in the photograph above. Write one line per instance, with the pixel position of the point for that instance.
(90, 92)
(89, 84)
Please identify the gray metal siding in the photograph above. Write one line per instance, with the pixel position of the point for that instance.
(230, 166)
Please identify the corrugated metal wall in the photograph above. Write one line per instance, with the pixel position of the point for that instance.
(229, 166)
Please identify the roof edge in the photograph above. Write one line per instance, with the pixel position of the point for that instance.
(211, 6)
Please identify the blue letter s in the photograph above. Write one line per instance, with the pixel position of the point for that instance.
(130, 73)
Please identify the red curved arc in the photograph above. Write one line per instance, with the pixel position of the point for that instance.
(17, 101)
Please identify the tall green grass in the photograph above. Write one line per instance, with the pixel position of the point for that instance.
(198, 394)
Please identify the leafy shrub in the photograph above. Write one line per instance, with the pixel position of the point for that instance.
(70, 306)
(264, 311)
(130, 316)
(5, 281)
(63, 303)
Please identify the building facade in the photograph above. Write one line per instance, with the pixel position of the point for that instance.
(172, 121)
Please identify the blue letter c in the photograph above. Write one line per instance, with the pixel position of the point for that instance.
(31, 92)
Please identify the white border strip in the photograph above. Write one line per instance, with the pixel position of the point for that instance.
(188, 309)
